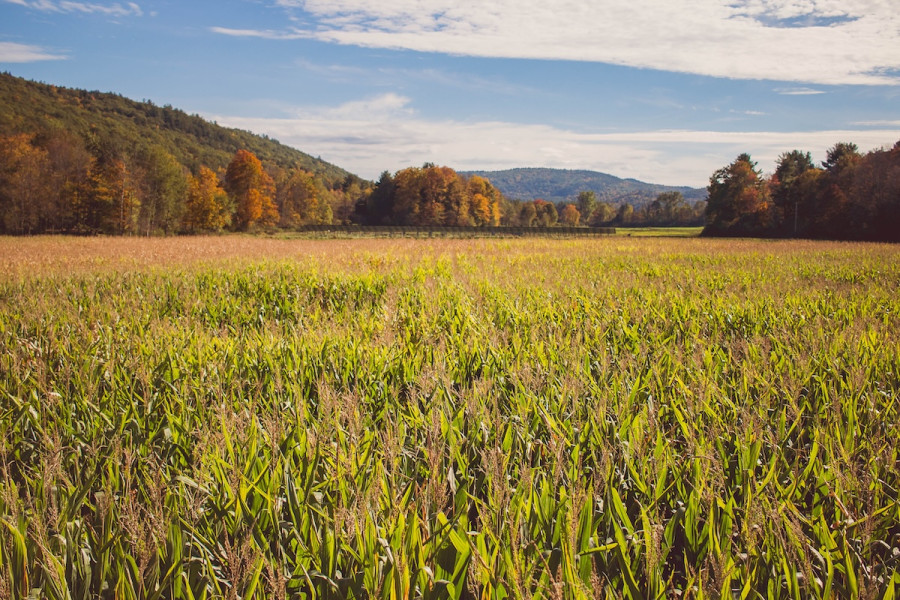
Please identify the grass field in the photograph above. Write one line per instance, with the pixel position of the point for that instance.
(237, 417)
(659, 231)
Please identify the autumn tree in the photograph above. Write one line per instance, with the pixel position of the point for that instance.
(352, 190)
(570, 215)
(875, 212)
(407, 199)
(23, 183)
(298, 200)
(528, 215)
(69, 164)
(738, 201)
(432, 196)
(792, 189)
(207, 206)
(107, 203)
(625, 214)
(603, 214)
(460, 205)
(436, 187)
(162, 186)
(546, 214)
(670, 207)
(485, 201)
(830, 215)
(252, 190)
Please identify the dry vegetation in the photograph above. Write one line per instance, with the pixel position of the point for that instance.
(251, 418)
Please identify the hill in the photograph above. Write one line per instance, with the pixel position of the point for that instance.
(28, 107)
(563, 185)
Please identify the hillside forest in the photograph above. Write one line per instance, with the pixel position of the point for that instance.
(54, 182)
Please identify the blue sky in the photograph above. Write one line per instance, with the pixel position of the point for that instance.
(661, 91)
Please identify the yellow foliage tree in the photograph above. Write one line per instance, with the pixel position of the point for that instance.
(485, 201)
(299, 200)
(481, 209)
(207, 207)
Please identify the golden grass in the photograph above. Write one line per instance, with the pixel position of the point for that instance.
(53, 255)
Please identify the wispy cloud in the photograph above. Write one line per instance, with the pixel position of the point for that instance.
(117, 9)
(886, 123)
(385, 133)
(801, 91)
(267, 34)
(12, 52)
(389, 76)
(816, 41)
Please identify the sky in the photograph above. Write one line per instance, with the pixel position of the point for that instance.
(657, 90)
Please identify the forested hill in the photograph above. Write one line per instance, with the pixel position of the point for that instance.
(30, 107)
(563, 185)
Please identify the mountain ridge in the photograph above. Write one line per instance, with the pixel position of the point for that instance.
(563, 185)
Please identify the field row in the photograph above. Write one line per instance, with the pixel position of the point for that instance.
(250, 418)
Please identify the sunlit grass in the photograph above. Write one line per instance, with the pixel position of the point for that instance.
(244, 417)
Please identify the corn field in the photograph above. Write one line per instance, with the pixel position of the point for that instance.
(610, 418)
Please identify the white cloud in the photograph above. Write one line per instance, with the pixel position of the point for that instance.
(816, 41)
(11, 52)
(781, 9)
(118, 9)
(383, 133)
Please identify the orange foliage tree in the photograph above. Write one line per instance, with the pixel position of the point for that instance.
(433, 196)
(738, 199)
(252, 191)
(570, 215)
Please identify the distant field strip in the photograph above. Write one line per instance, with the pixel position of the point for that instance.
(243, 417)
(412, 231)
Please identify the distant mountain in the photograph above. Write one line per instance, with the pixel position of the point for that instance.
(563, 185)
(28, 107)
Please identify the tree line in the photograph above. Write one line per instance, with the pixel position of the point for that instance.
(850, 196)
(439, 196)
(668, 209)
(56, 182)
